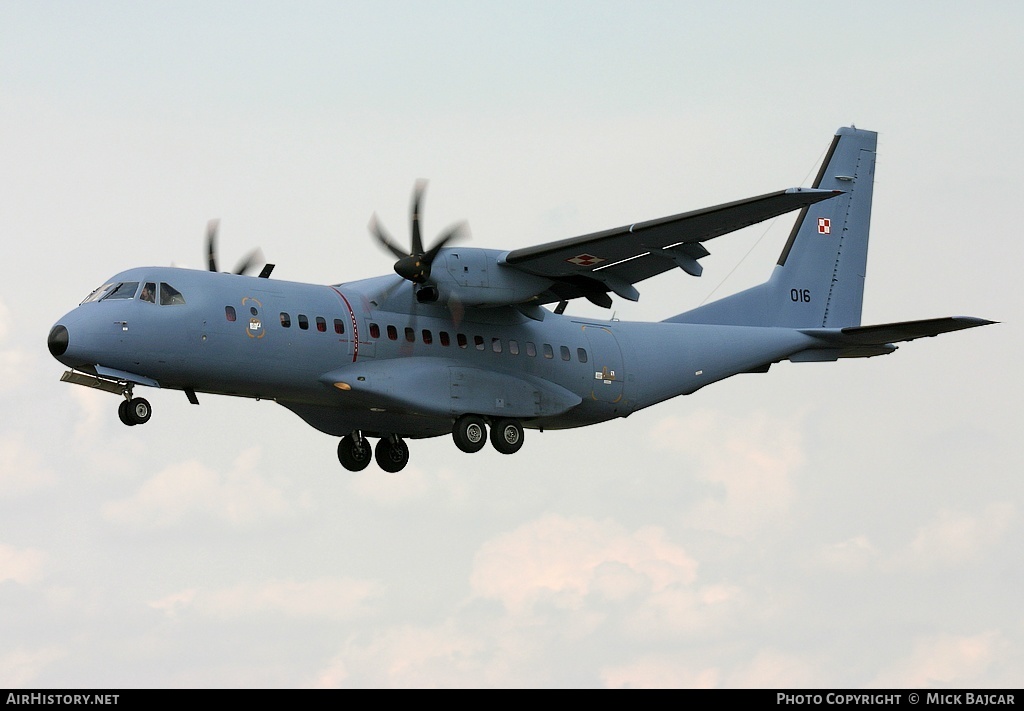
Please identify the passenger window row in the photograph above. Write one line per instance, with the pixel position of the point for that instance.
(320, 321)
(479, 343)
(286, 320)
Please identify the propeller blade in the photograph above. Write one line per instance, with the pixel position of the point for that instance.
(211, 244)
(249, 261)
(414, 265)
(378, 231)
(456, 233)
(414, 217)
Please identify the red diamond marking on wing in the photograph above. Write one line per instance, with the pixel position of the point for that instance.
(585, 260)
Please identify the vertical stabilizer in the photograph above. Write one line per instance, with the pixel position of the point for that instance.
(819, 278)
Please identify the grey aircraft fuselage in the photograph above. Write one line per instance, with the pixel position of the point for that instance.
(600, 370)
(459, 339)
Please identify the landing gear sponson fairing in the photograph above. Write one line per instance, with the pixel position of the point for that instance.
(459, 342)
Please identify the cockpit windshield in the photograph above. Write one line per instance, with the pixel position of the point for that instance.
(98, 293)
(110, 291)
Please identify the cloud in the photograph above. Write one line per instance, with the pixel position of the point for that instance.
(565, 560)
(771, 669)
(14, 362)
(23, 566)
(653, 672)
(944, 660)
(955, 537)
(238, 497)
(324, 598)
(852, 556)
(20, 668)
(21, 468)
(751, 460)
(389, 489)
(430, 656)
(5, 320)
(14, 366)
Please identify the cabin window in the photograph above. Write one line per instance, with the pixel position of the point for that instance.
(478, 341)
(461, 338)
(169, 296)
(124, 290)
(149, 293)
(564, 350)
(410, 335)
(531, 349)
(581, 353)
(445, 339)
(286, 320)
(392, 333)
(548, 353)
(303, 322)
(513, 347)
(339, 326)
(428, 337)
(321, 324)
(229, 313)
(374, 331)
(496, 345)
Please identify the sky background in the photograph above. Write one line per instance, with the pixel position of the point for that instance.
(852, 524)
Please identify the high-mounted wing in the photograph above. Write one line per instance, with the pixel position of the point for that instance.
(614, 260)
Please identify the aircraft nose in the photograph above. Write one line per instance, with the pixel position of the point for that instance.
(57, 341)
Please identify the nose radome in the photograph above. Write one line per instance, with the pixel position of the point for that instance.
(57, 341)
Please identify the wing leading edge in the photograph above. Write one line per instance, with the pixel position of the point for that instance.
(614, 260)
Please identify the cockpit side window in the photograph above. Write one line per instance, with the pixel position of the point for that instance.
(124, 290)
(149, 292)
(170, 296)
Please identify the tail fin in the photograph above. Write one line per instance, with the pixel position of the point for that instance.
(819, 279)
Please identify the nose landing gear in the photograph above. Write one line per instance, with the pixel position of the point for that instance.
(391, 453)
(354, 452)
(134, 411)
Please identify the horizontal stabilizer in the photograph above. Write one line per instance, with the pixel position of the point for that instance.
(895, 332)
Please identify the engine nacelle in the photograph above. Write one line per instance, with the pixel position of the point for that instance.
(476, 277)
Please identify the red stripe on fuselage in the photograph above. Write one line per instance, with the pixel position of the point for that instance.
(355, 325)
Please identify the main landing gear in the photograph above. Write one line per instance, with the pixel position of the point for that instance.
(392, 453)
(470, 434)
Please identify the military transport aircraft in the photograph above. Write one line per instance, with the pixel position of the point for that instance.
(460, 341)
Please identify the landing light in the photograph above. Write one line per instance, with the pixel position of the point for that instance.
(343, 386)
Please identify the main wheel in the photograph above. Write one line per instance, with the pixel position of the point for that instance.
(470, 433)
(122, 413)
(139, 410)
(391, 456)
(507, 436)
(354, 454)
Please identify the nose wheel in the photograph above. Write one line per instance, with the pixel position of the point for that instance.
(391, 453)
(135, 411)
(354, 452)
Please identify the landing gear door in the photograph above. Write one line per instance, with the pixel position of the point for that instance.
(606, 364)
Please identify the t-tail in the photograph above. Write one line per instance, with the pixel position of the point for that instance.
(818, 283)
(819, 279)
